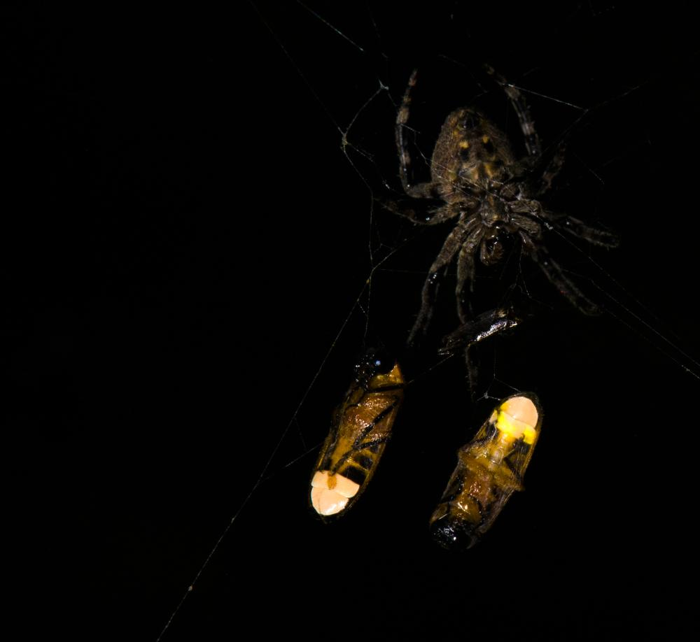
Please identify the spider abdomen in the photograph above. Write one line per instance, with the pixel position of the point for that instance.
(470, 151)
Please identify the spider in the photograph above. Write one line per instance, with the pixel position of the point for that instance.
(478, 184)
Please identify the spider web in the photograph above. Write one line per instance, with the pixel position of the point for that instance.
(249, 293)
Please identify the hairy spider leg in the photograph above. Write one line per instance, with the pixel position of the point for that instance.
(556, 276)
(462, 233)
(416, 191)
(592, 235)
(465, 273)
(517, 100)
(543, 167)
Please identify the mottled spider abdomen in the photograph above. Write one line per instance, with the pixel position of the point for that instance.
(470, 152)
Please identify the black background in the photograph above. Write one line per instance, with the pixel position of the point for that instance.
(183, 240)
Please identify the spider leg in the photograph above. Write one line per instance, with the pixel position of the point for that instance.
(422, 190)
(465, 271)
(452, 244)
(471, 361)
(470, 333)
(593, 235)
(528, 225)
(556, 276)
(527, 124)
(543, 167)
(530, 211)
(548, 167)
(421, 212)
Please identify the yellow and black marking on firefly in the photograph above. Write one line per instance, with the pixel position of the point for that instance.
(490, 469)
(359, 433)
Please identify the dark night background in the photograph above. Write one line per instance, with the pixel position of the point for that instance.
(182, 241)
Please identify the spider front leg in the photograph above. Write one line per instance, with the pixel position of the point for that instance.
(455, 241)
(415, 191)
(531, 210)
(593, 235)
(429, 211)
(556, 276)
(465, 272)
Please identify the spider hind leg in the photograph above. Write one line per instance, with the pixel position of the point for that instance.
(527, 123)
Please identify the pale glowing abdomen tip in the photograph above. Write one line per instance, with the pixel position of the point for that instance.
(519, 418)
(331, 493)
(327, 502)
(522, 409)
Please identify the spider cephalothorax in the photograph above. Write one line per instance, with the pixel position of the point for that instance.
(477, 182)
